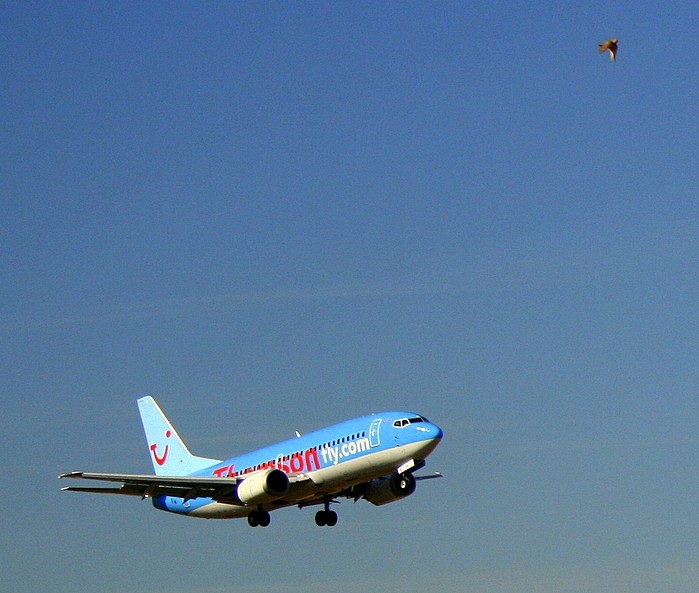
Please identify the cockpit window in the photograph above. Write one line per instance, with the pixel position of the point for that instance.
(405, 421)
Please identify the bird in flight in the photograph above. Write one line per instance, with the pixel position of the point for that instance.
(611, 45)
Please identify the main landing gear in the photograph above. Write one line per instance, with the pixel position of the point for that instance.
(258, 518)
(326, 517)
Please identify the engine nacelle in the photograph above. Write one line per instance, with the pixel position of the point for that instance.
(390, 488)
(263, 486)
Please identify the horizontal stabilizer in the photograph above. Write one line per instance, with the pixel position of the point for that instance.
(122, 490)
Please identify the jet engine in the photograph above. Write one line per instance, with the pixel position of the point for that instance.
(389, 488)
(263, 486)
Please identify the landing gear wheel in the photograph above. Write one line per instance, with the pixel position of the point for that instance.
(259, 519)
(326, 518)
(331, 518)
(264, 519)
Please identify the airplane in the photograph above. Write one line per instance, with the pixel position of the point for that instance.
(372, 457)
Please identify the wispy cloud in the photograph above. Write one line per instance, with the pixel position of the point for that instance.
(609, 444)
(211, 304)
(638, 255)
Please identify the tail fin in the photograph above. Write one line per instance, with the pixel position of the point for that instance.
(169, 454)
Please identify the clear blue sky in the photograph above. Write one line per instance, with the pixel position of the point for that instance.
(274, 216)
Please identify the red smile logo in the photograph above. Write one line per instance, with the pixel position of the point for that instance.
(160, 460)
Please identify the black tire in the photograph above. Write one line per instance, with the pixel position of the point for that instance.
(264, 519)
(331, 519)
(253, 519)
(321, 519)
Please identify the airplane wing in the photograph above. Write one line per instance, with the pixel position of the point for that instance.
(302, 490)
(431, 476)
(188, 487)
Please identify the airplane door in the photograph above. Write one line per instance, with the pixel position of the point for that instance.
(374, 430)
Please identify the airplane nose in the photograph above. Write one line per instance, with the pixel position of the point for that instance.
(433, 431)
(432, 436)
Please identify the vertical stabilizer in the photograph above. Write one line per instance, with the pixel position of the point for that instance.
(168, 452)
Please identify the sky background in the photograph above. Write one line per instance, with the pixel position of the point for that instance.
(275, 216)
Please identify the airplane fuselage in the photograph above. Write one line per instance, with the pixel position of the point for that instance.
(334, 458)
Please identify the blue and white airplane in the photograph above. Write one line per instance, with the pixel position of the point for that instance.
(372, 457)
